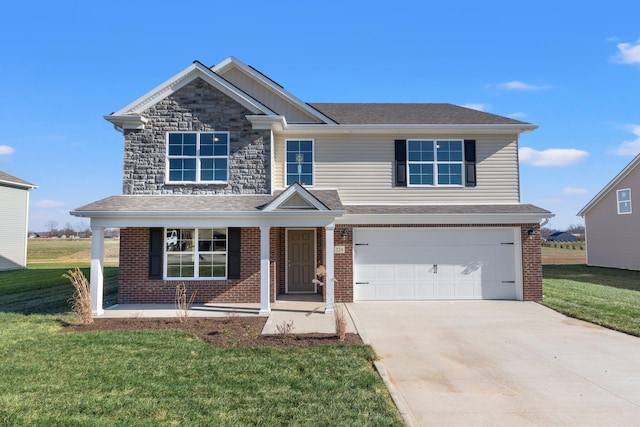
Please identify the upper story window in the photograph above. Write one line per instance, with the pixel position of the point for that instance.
(198, 157)
(435, 162)
(299, 161)
(624, 201)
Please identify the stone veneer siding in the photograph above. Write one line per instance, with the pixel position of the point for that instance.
(197, 107)
(531, 258)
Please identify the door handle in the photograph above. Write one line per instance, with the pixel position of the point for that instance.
(435, 268)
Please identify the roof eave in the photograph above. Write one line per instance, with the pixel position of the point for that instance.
(484, 219)
(409, 128)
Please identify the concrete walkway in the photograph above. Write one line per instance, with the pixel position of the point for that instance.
(305, 316)
(501, 363)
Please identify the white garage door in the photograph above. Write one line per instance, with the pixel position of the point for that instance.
(432, 264)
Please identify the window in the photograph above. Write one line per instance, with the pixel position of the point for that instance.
(198, 253)
(198, 157)
(435, 162)
(299, 163)
(624, 201)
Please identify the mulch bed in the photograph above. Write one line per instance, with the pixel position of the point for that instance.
(236, 332)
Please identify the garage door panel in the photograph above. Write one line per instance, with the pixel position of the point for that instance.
(409, 264)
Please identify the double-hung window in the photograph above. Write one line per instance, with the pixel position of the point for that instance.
(435, 162)
(196, 253)
(198, 157)
(624, 201)
(299, 161)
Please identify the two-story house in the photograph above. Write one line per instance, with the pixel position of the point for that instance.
(242, 191)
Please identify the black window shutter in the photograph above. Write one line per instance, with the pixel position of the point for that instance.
(470, 162)
(155, 253)
(401, 162)
(233, 253)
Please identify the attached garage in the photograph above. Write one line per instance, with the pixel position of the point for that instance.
(437, 263)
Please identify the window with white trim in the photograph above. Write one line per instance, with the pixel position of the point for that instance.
(435, 162)
(196, 253)
(198, 157)
(299, 161)
(624, 201)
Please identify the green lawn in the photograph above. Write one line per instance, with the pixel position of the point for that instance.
(163, 378)
(605, 296)
(157, 378)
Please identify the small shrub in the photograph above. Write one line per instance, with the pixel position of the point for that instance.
(183, 303)
(285, 328)
(341, 323)
(81, 299)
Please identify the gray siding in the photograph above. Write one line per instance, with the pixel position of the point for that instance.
(197, 107)
(361, 168)
(13, 227)
(267, 97)
(613, 240)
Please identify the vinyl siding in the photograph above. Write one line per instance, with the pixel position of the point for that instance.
(362, 171)
(13, 227)
(269, 98)
(613, 240)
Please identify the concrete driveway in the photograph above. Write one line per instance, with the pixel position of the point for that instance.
(501, 363)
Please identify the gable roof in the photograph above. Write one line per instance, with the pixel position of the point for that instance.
(12, 181)
(614, 182)
(397, 113)
(129, 116)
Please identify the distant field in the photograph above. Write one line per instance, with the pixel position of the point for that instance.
(565, 254)
(44, 253)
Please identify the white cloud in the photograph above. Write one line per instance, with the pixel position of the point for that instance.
(551, 156)
(478, 106)
(629, 148)
(628, 53)
(518, 85)
(572, 190)
(6, 150)
(49, 204)
(517, 115)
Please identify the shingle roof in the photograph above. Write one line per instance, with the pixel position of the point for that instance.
(5, 177)
(198, 203)
(446, 209)
(437, 114)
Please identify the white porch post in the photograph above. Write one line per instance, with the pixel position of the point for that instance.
(96, 280)
(329, 280)
(265, 298)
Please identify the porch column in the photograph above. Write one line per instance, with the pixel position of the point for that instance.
(96, 280)
(265, 301)
(329, 280)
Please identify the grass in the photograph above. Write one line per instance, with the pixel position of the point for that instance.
(604, 296)
(163, 378)
(68, 252)
(171, 378)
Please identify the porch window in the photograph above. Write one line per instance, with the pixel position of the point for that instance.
(624, 201)
(435, 162)
(198, 157)
(196, 253)
(299, 163)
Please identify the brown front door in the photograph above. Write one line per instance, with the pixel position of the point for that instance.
(300, 260)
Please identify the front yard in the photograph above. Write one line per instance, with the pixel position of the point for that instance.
(605, 296)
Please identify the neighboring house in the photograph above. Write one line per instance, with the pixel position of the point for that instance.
(612, 221)
(562, 236)
(14, 220)
(242, 191)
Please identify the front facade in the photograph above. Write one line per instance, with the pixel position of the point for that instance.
(243, 192)
(14, 220)
(612, 221)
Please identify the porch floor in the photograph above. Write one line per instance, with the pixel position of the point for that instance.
(304, 310)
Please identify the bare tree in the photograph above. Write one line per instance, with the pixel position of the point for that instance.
(51, 226)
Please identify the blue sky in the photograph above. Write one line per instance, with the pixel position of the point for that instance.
(573, 69)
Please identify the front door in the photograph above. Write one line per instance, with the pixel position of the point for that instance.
(301, 261)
